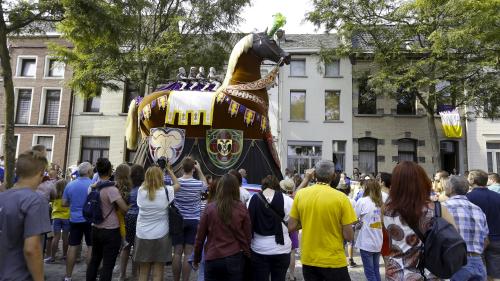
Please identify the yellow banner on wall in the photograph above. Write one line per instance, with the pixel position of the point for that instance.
(452, 127)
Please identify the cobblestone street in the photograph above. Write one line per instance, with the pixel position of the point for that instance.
(55, 272)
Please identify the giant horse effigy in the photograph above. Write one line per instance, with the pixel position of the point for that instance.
(227, 128)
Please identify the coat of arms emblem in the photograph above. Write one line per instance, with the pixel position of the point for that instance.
(167, 143)
(224, 147)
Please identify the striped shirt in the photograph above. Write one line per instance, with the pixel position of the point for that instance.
(188, 198)
(470, 221)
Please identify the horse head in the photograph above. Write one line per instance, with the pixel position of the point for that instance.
(266, 48)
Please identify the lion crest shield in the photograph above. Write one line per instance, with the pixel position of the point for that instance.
(224, 147)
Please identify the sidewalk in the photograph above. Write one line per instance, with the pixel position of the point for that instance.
(55, 272)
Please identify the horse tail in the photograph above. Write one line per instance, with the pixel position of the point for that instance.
(131, 133)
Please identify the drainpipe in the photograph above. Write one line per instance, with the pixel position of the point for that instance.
(69, 130)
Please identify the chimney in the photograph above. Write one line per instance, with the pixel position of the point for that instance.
(280, 34)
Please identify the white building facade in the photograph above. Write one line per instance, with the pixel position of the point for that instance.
(98, 127)
(314, 106)
(483, 144)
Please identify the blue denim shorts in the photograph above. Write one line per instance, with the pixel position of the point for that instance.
(188, 235)
(60, 224)
(473, 270)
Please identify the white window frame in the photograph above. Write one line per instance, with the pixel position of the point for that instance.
(19, 66)
(308, 157)
(332, 62)
(16, 94)
(335, 150)
(302, 59)
(43, 100)
(46, 69)
(290, 105)
(339, 92)
(17, 144)
(34, 142)
(493, 152)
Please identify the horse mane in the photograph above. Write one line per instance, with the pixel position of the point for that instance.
(241, 47)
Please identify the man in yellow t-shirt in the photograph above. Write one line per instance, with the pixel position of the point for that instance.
(326, 216)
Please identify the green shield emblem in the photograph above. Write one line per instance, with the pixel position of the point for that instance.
(224, 147)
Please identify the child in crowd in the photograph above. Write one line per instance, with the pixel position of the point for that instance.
(60, 217)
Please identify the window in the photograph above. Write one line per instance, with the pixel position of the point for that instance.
(23, 106)
(367, 148)
(332, 69)
(92, 104)
(298, 68)
(54, 68)
(367, 100)
(303, 155)
(297, 105)
(407, 150)
(46, 141)
(493, 157)
(339, 155)
(16, 141)
(51, 110)
(131, 92)
(94, 148)
(406, 103)
(332, 105)
(26, 67)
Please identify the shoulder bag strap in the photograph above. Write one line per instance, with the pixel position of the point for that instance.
(437, 209)
(270, 207)
(168, 197)
(112, 207)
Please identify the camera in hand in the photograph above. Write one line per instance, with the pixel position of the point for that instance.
(162, 162)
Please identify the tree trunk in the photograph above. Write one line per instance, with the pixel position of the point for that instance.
(436, 155)
(9, 144)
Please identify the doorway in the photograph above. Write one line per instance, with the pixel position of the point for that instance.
(449, 156)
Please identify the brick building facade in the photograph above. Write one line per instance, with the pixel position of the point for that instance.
(42, 98)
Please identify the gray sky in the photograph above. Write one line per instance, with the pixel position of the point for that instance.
(259, 15)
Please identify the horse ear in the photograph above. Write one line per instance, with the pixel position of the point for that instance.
(265, 31)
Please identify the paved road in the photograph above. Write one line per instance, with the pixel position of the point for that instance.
(55, 272)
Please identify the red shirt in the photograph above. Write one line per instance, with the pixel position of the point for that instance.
(223, 240)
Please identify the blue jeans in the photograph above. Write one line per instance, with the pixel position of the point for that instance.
(474, 270)
(275, 266)
(371, 265)
(225, 269)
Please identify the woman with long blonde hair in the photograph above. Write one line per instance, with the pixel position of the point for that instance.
(123, 183)
(152, 245)
(369, 241)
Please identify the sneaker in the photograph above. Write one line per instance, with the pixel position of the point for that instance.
(352, 263)
(49, 260)
(67, 279)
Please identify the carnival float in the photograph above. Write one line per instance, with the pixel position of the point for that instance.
(223, 125)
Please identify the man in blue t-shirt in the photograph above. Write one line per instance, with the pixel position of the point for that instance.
(489, 202)
(74, 197)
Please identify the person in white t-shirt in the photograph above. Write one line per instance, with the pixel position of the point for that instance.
(384, 179)
(369, 240)
(271, 244)
(153, 247)
(244, 194)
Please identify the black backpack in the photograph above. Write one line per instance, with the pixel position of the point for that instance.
(92, 211)
(175, 219)
(443, 251)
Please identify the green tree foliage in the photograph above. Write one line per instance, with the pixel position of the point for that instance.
(440, 50)
(19, 17)
(143, 41)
